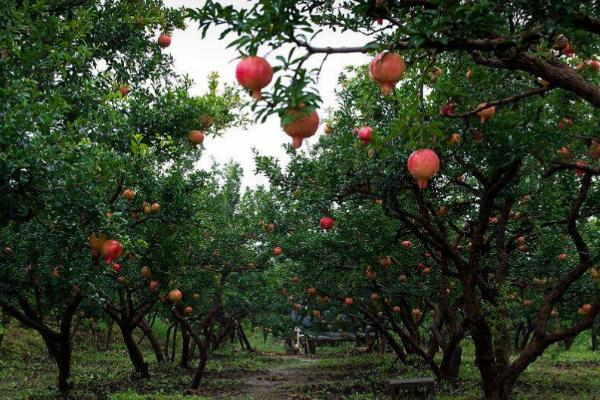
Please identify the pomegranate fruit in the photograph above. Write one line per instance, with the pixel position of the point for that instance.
(116, 267)
(406, 243)
(146, 272)
(175, 295)
(565, 122)
(155, 207)
(442, 211)
(348, 301)
(254, 73)
(153, 286)
(594, 150)
(316, 313)
(188, 310)
(586, 308)
(196, 137)
(396, 309)
(374, 297)
(422, 165)
(562, 257)
(327, 223)
(402, 278)
(365, 134)
(164, 40)
(123, 89)
(129, 194)
(301, 126)
(454, 138)
(328, 129)
(385, 262)
(527, 303)
(311, 291)
(277, 251)
(448, 109)
(370, 274)
(295, 280)
(297, 307)
(565, 152)
(111, 250)
(387, 69)
(486, 112)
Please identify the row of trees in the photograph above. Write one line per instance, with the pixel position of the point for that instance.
(501, 245)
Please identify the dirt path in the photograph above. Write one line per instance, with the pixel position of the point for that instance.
(285, 382)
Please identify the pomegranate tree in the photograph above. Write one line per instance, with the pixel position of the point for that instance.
(422, 165)
(387, 69)
(254, 73)
(301, 126)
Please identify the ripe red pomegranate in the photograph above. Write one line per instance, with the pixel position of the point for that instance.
(188, 310)
(416, 313)
(565, 122)
(442, 211)
(175, 295)
(153, 286)
(254, 73)
(586, 308)
(295, 280)
(387, 69)
(365, 134)
(196, 137)
(370, 274)
(164, 40)
(311, 291)
(316, 313)
(397, 309)
(493, 220)
(302, 126)
(111, 250)
(406, 243)
(565, 152)
(385, 262)
(348, 301)
(527, 303)
(56, 272)
(124, 89)
(593, 64)
(374, 297)
(486, 112)
(116, 267)
(562, 257)
(520, 240)
(327, 223)
(129, 194)
(277, 251)
(155, 207)
(422, 165)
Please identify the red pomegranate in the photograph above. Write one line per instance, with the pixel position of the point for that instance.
(175, 295)
(297, 307)
(448, 109)
(387, 69)
(277, 251)
(565, 122)
(348, 301)
(562, 257)
(365, 134)
(374, 297)
(454, 138)
(586, 308)
(422, 165)
(486, 112)
(164, 40)
(302, 126)
(311, 291)
(295, 280)
(123, 89)
(254, 73)
(196, 137)
(153, 286)
(129, 194)
(442, 211)
(593, 64)
(397, 309)
(116, 267)
(385, 262)
(111, 250)
(565, 152)
(188, 310)
(146, 272)
(520, 240)
(406, 243)
(327, 223)
(594, 150)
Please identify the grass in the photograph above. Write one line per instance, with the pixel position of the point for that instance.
(335, 373)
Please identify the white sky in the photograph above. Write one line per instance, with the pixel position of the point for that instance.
(196, 58)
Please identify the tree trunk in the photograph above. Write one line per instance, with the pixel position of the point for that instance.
(63, 361)
(174, 345)
(244, 338)
(167, 339)
(147, 329)
(136, 356)
(450, 366)
(201, 365)
(185, 349)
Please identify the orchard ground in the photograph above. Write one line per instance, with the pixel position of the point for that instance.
(341, 372)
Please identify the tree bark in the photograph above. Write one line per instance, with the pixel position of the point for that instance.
(185, 349)
(135, 355)
(149, 333)
(201, 366)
